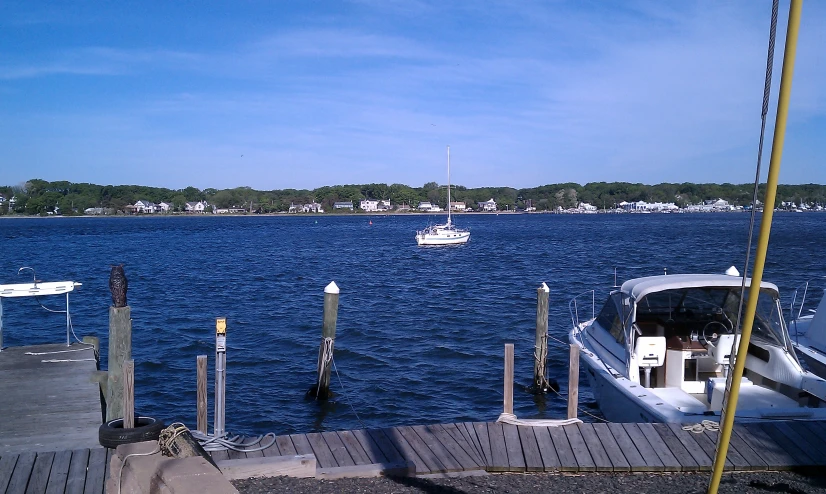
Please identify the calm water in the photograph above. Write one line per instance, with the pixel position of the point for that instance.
(420, 330)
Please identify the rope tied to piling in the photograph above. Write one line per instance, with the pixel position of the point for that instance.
(326, 358)
(509, 418)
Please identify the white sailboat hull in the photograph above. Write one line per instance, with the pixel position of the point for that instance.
(442, 238)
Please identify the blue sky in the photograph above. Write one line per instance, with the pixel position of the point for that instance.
(278, 94)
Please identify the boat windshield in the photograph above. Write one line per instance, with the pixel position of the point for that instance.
(685, 311)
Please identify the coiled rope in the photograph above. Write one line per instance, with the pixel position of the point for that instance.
(705, 425)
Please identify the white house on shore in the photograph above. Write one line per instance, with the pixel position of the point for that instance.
(424, 206)
(196, 207)
(144, 207)
(343, 205)
(489, 205)
(164, 207)
(369, 205)
(458, 206)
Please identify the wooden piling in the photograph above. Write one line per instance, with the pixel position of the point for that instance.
(540, 355)
(129, 394)
(508, 408)
(573, 381)
(120, 350)
(202, 394)
(328, 336)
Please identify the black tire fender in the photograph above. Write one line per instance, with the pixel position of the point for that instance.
(112, 434)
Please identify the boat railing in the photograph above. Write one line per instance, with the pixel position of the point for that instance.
(800, 297)
(580, 303)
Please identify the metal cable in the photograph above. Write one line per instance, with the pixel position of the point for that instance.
(763, 114)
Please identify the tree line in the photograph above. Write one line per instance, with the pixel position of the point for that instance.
(39, 197)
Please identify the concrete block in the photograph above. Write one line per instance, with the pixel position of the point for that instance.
(301, 466)
(401, 469)
(193, 475)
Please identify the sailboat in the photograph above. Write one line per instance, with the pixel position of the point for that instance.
(447, 233)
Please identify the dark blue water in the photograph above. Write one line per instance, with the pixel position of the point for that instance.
(420, 330)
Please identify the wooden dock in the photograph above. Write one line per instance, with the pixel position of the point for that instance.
(475, 447)
(600, 447)
(48, 401)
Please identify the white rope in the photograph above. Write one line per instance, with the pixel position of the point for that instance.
(223, 442)
(705, 425)
(509, 418)
(123, 465)
(61, 351)
(326, 358)
(52, 361)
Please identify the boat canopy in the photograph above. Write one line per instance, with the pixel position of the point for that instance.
(640, 287)
(38, 289)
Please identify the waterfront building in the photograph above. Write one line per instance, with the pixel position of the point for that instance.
(343, 205)
(489, 205)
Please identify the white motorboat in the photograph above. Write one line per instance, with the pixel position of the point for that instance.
(808, 333)
(447, 233)
(659, 351)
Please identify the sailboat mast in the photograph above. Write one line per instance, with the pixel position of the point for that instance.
(448, 185)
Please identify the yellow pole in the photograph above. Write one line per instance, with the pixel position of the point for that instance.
(763, 241)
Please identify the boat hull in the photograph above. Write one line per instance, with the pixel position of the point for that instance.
(430, 239)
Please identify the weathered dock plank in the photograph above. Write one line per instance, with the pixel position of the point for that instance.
(689, 440)
(40, 473)
(499, 452)
(400, 444)
(687, 462)
(516, 459)
(567, 459)
(22, 472)
(334, 442)
(550, 458)
(481, 430)
(59, 473)
(646, 434)
(375, 438)
(457, 433)
(48, 384)
(595, 447)
(354, 448)
(530, 448)
(95, 472)
(77, 471)
(633, 457)
(580, 449)
(615, 454)
(456, 447)
(324, 456)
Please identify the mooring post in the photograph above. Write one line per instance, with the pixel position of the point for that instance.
(129, 394)
(220, 375)
(573, 381)
(328, 338)
(120, 350)
(508, 378)
(540, 355)
(201, 364)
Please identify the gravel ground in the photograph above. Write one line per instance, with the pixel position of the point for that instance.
(592, 483)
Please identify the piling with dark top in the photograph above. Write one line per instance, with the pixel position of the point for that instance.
(120, 350)
(321, 390)
(540, 355)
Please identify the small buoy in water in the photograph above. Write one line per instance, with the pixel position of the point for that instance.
(371, 222)
(316, 222)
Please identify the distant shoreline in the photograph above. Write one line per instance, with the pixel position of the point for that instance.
(363, 215)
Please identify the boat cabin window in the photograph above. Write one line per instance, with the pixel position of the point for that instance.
(685, 311)
(609, 317)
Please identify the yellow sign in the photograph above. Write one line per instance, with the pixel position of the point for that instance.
(221, 325)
